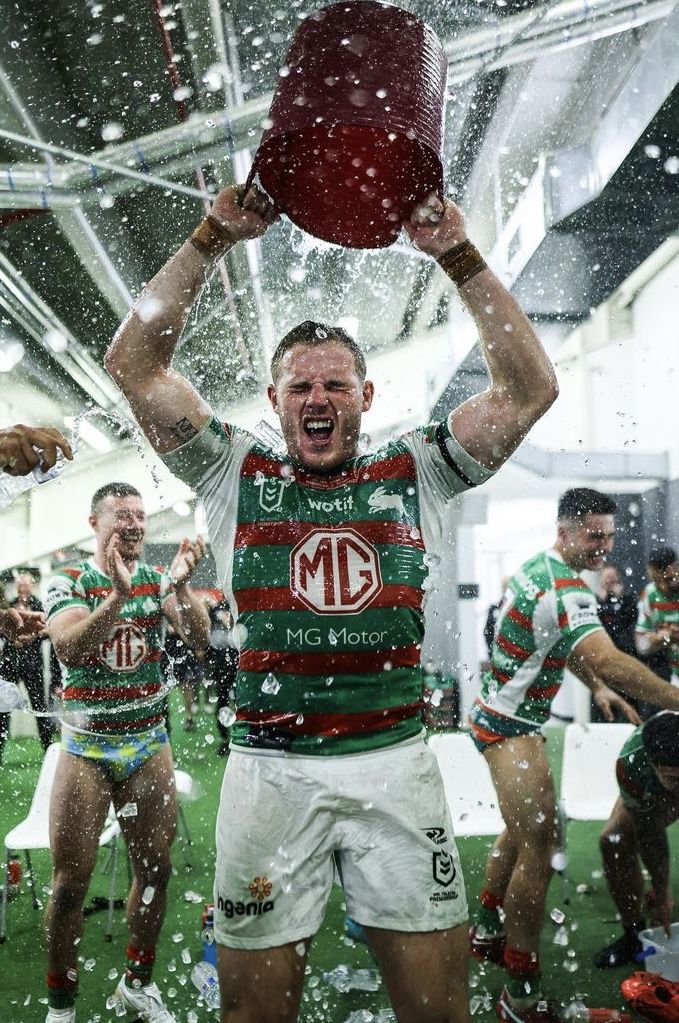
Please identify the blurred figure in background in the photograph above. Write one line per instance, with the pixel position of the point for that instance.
(221, 666)
(491, 619)
(617, 610)
(657, 631)
(22, 661)
(184, 665)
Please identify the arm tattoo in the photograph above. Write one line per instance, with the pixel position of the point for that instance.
(184, 429)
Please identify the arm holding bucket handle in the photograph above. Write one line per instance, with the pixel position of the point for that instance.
(167, 407)
(523, 385)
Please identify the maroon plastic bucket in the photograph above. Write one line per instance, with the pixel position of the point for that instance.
(356, 123)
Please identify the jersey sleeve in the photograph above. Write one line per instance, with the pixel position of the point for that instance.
(442, 461)
(64, 591)
(578, 612)
(201, 458)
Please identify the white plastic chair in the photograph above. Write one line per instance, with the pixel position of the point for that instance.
(467, 784)
(588, 784)
(33, 833)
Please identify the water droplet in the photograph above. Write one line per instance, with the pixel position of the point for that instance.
(147, 895)
(111, 131)
(270, 685)
(226, 716)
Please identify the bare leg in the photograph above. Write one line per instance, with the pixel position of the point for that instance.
(500, 864)
(526, 795)
(80, 798)
(426, 973)
(262, 985)
(149, 836)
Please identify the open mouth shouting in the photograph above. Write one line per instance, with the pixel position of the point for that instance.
(319, 430)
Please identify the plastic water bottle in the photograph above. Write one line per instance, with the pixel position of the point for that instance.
(12, 486)
(346, 978)
(10, 697)
(204, 977)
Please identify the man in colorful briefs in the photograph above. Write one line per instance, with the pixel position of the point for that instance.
(105, 619)
(548, 620)
(648, 775)
(658, 611)
(321, 556)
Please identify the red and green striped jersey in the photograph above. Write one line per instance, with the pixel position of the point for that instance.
(547, 609)
(126, 668)
(654, 611)
(639, 785)
(326, 576)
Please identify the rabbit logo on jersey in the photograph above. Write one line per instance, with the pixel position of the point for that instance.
(335, 571)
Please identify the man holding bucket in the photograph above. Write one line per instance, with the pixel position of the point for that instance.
(328, 763)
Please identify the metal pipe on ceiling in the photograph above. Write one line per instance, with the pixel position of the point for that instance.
(532, 34)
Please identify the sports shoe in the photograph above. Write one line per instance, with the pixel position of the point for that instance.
(484, 945)
(652, 997)
(144, 1002)
(61, 1015)
(620, 952)
(545, 1011)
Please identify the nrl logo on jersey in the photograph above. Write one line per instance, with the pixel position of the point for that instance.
(380, 500)
(271, 490)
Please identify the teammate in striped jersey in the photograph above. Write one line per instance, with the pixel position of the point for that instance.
(658, 611)
(106, 623)
(548, 621)
(321, 553)
(648, 777)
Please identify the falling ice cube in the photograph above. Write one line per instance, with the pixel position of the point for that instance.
(271, 684)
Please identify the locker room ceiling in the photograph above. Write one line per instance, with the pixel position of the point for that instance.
(560, 146)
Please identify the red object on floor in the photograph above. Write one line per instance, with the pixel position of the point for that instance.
(356, 123)
(548, 1012)
(652, 997)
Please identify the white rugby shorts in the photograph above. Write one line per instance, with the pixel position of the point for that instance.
(286, 822)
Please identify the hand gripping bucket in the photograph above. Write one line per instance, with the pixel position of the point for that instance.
(355, 128)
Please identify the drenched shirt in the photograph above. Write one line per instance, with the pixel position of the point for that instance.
(326, 578)
(547, 610)
(654, 611)
(113, 690)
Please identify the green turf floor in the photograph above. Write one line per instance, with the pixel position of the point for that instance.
(589, 917)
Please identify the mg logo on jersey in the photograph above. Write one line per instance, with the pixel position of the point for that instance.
(125, 649)
(335, 572)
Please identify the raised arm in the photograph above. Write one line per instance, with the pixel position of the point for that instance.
(167, 407)
(489, 425)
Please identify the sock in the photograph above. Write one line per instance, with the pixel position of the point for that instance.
(62, 988)
(139, 966)
(524, 981)
(487, 916)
